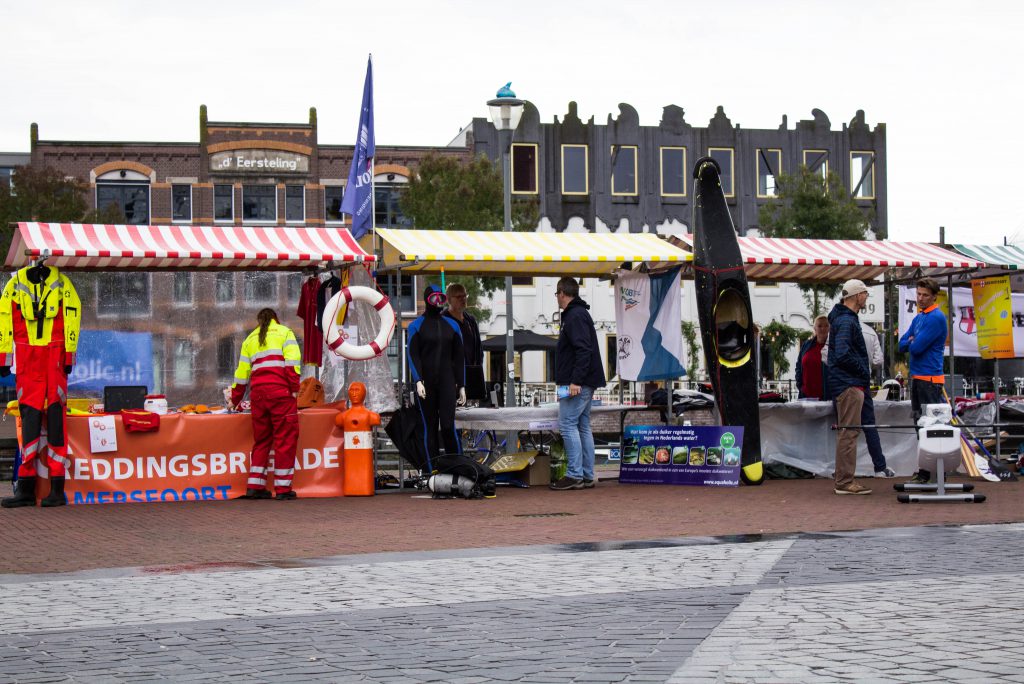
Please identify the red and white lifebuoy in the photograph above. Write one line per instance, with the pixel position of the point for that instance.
(337, 340)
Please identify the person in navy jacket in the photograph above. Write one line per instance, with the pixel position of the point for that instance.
(849, 379)
(577, 367)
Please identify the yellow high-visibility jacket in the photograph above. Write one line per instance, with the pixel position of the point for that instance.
(38, 306)
(274, 363)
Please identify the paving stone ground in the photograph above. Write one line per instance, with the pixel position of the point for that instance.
(910, 604)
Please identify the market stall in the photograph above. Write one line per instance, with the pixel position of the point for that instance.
(193, 458)
(182, 249)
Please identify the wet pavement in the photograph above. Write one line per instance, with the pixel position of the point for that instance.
(780, 583)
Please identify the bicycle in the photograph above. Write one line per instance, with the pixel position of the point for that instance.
(483, 446)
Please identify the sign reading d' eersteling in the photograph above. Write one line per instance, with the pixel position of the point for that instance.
(686, 455)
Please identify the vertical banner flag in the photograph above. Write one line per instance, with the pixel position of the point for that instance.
(648, 311)
(965, 319)
(358, 198)
(992, 311)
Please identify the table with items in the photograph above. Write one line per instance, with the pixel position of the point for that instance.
(190, 457)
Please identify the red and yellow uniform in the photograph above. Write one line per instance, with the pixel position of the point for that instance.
(271, 370)
(40, 322)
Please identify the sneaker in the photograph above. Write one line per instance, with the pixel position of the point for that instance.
(564, 483)
(920, 477)
(888, 472)
(852, 488)
(286, 496)
(256, 494)
(589, 484)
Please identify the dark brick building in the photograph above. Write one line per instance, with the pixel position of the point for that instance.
(621, 171)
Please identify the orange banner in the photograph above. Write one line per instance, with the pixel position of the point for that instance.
(195, 458)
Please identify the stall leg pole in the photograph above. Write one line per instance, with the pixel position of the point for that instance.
(950, 335)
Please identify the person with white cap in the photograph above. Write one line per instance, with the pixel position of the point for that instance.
(849, 377)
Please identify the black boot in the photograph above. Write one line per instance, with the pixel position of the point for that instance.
(24, 494)
(56, 495)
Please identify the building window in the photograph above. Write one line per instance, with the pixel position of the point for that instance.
(673, 171)
(624, 170)
(224, 288)
(524, 169)
(181, 203)
(184, 363)
(259, 203)
(862, 175)
(388, 206)
(6, 177)
(400, 290)
(611, 355)
(131, 199)
(816, 161)
(332, 203)
(724, 157)
(769, 166)
(260, 287)
(293, 285)
(182, 288)
(575, 179)
(223, 203)
(295, 203)
(123, 295)
(522, 281)
(226, 358)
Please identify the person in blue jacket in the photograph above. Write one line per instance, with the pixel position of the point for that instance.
(849, 379)
(578, 368)
(925, 340)
(438, 366)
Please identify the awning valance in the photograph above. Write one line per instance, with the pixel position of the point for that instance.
(539, 254)
(835, 261)
(1009, 257)
(101, 247)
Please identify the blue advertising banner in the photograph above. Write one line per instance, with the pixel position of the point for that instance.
(703, 455)
(106, 358)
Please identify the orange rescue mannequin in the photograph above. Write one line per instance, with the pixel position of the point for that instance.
(357, 423)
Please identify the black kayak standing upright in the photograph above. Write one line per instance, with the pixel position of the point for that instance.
(723, 307)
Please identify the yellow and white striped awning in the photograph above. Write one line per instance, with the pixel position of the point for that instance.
(538, 254)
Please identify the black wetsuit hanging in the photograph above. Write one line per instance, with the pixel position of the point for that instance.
(436, 358)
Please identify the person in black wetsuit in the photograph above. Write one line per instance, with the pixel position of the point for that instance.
(437, 362)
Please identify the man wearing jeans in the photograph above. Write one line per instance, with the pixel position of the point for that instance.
(578, 367)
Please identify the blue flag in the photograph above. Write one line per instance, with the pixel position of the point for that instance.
(358, 198)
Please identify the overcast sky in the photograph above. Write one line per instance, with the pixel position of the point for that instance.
(945, 77)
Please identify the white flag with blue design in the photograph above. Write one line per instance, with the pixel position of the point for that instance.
(648, 313)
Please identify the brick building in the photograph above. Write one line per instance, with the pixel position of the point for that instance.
(237, 173)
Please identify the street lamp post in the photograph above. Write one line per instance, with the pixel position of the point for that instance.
(506, 110)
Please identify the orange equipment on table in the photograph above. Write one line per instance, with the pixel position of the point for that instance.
(357, 423)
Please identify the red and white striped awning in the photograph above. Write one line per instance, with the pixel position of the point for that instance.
(102, 247)
(805, 260)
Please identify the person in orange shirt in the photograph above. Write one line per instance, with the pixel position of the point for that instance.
(926, 341)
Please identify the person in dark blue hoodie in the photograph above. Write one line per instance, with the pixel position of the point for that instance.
(578, 369)
(849, 379)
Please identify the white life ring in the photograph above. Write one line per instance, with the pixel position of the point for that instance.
(337, 340)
